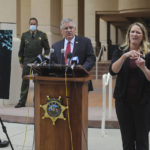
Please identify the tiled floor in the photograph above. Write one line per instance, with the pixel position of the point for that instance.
(21, 137)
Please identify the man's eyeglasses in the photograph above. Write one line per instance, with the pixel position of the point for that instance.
(70, 27)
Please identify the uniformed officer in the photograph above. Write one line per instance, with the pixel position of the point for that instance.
(32, 44)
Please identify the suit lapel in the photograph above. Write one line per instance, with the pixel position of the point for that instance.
(75, 49)
(76, 46)
(62, 61)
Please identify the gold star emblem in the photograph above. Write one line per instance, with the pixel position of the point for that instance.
(53, 109)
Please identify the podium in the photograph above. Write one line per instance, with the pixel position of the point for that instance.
(58, 136)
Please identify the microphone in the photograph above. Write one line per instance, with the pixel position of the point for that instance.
(39, 59)
(74, 61)
(69, 56)
(62, 55)
(51, 56)
(46, 58)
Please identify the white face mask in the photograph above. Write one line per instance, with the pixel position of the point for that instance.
(32, 27)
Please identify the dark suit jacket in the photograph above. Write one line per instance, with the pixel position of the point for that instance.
(82, 48)
(122, 79)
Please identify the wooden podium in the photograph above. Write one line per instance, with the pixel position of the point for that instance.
(58, 136)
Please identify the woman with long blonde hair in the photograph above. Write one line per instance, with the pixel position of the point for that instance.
(131, 64)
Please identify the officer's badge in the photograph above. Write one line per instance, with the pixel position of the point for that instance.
(40, 38)
(53, 109)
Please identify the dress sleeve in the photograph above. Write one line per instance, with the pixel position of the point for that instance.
(147, 59)
(116, 55)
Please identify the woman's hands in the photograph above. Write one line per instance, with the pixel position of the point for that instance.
(132, 54)
(140, 62)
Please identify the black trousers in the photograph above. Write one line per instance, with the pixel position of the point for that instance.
(24, 86)
(133, 121)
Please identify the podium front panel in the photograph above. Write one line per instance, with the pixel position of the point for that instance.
(56, 137)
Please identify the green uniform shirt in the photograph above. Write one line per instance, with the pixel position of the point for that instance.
(32, 46)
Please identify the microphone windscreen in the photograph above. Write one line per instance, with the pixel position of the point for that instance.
(69, 55)
(51, 50)
(40, 58)
(62, 51)
(46, 57)
(75, 60)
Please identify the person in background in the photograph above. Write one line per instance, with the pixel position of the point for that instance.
(32, 44)
(131, 64)
(78, 46)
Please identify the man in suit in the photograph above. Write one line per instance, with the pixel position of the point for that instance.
(32, 44)
(80, 46)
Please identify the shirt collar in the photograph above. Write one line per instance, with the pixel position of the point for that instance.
(72, 41)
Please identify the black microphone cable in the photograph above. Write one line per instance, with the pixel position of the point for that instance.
(69, 56)
(51, 57)
(62, 56)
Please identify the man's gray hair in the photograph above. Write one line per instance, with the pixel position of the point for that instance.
(66, 20)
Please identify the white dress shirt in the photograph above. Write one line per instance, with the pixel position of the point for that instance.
(71, 44)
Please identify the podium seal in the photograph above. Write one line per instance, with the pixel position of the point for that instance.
(53, 109)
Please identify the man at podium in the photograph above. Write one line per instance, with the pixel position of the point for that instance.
(77, 46)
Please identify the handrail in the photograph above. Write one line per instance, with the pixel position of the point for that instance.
(106, 80)
(100, 52)
(97, 59)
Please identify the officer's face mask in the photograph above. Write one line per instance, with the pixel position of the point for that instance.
(32, 27)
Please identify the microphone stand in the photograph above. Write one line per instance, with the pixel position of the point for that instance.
(51, 59)
(69, 56)
(5, 131)
(62, 56)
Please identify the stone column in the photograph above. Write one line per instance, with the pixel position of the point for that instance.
(22, 16)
